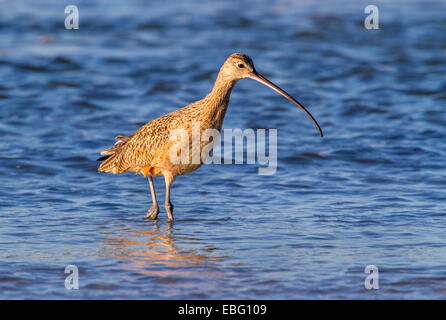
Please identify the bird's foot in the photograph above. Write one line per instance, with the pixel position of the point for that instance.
(169, 210)
(152, 213)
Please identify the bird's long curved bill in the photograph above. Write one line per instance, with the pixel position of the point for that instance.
(266, 82)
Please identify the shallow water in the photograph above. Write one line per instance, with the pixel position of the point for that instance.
(371, 192)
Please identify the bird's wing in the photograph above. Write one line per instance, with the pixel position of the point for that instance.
(141, 148)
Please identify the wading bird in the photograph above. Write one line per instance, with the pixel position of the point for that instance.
(147, 150)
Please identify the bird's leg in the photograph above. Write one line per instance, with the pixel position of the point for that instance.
(168, 178)
(152, 213)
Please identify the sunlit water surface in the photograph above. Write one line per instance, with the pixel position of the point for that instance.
(371, 192)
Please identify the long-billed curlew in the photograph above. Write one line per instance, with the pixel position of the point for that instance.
(147, 150)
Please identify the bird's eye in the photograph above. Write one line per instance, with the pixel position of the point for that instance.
(241, 65)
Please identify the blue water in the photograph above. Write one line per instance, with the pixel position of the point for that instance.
(371, 192)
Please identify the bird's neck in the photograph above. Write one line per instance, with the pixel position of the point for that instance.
(216, 102)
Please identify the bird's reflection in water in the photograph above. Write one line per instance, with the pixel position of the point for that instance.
(152, 250)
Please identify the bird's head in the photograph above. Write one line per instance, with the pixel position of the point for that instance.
(239, 66)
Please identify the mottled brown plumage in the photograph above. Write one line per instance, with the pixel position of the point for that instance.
(147, 150)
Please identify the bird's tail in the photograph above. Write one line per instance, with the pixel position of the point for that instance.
(111, 156)
(103, 158)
